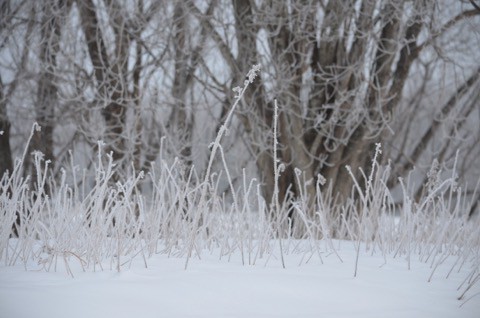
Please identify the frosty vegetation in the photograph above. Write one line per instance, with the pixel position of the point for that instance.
(109, 225)
(357, 121)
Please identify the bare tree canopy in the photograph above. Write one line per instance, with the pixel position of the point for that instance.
(155, 79)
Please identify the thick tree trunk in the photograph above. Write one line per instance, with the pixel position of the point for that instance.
(53, 14)
(254, 97)
(6, 163)
(179, 124)
(110, 77)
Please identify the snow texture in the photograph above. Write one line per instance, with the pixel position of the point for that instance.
(215, 286)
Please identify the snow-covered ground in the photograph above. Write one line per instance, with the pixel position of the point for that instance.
(214, 286)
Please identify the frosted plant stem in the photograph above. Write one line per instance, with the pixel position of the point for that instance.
(202, 206)
(276, 169)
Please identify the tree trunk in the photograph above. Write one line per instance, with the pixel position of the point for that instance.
(110, 78)
(6, 163)
(179, 124)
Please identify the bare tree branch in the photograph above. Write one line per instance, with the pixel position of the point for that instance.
(476, 6)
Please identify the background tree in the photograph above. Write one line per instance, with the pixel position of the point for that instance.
(154, 79)
(338, 70)
(6, 162)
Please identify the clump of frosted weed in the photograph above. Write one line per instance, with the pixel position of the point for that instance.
(55, 223)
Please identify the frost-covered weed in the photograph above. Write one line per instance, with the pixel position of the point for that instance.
(115, 222)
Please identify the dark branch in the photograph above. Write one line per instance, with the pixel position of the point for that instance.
(476, 6)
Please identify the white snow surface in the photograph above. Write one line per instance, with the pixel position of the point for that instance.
(214, 286)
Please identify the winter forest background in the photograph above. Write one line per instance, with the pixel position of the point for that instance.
(155, 78)
(257, 130)
(197, 122)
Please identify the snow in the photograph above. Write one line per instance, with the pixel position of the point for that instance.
(214, 286)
